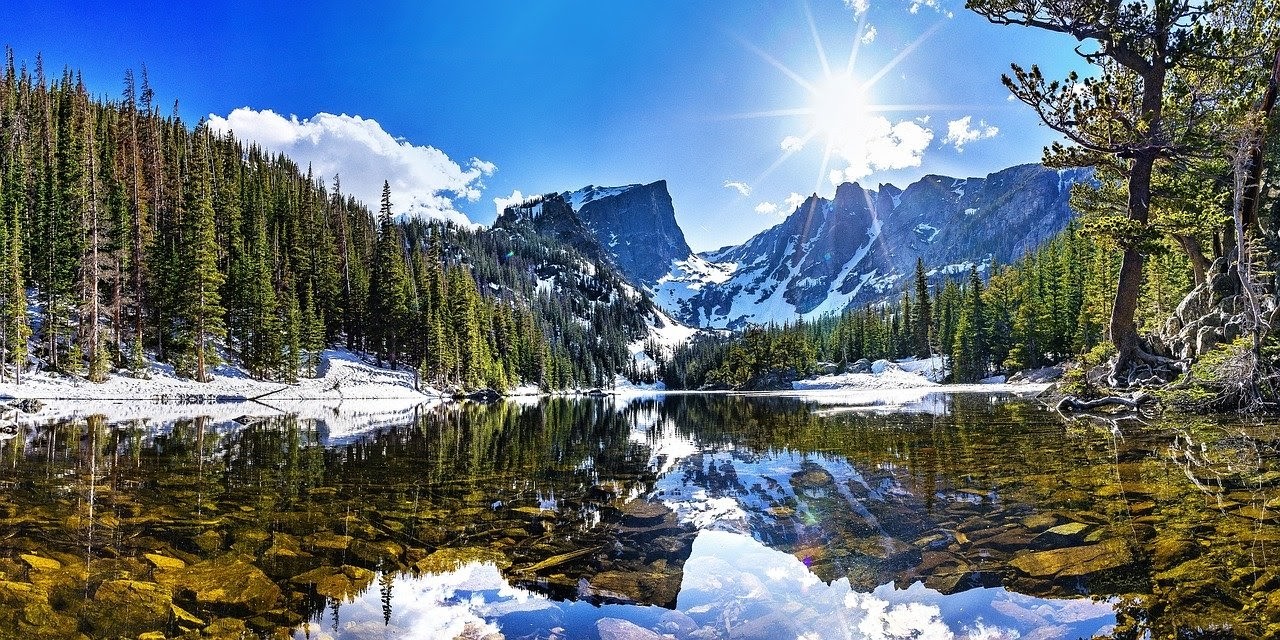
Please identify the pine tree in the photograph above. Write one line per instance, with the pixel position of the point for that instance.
(201, 312)
(388, 302)
(923, 313)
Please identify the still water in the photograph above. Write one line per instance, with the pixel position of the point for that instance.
(950, 516)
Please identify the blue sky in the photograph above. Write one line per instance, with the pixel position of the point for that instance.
(462, 103)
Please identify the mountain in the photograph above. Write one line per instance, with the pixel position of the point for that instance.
(857, 247)
(636, 224)
(828, 255)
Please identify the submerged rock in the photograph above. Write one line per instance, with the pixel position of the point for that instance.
(1074, 561)
(227, 584)
(128, 608)
(340, 583)
(25, 612)
(618, 629)
(450, 559)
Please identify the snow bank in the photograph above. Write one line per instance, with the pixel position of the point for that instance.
(884, 375)
(343, 375)
(621, 385)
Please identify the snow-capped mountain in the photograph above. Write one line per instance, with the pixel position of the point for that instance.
(829, 254)
(862, 245)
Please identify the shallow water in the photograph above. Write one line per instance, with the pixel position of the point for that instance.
(949, 516)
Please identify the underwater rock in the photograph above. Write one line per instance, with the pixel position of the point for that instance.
(449, 559)
(163, 563)
(228, 584)
(376, 553)
(127, 608)
(25, 612)
(1071, 562)
(326, 541)
(618, 629)
(649, 586)
(340, 583)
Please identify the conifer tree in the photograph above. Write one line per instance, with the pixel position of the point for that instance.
(201, 312)
(388, 302)
(923, 313)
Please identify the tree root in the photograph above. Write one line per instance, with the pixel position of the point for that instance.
(1074, 404)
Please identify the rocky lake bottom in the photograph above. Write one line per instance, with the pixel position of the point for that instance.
(970, 515)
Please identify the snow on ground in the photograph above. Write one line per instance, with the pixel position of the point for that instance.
(908, 374)
(343, 375)
(623, 386)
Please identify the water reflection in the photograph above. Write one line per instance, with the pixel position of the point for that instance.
(696, 516)
(734, 586)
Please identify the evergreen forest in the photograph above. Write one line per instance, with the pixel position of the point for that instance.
(129, 235)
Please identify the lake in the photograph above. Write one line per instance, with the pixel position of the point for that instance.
(980, 516)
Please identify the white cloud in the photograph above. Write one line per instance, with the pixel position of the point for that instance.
(742, 188)
(792, 144)
(879, 145)
(424, 180)
(794, 201)
(960, 133)
(869, 35)
(501, 203)
(859, 7)
(936, 5)
(766, 208)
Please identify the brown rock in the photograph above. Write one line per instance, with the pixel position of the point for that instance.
(1074, 561)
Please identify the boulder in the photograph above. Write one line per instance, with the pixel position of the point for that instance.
(861, 366)
(128, 608)
(227, 585)
(339, 583)
(1070, 562)
(618, 629)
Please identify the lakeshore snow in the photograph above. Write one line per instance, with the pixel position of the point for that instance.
(343, 375)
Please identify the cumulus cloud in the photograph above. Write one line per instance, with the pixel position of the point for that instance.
(879, 145)
(792, 144)
(500, 203)
(869, 35)
(742, 188)
(859, 7)
(766, 208)
(914, 7)
(424, 180)
(960, 132)
(794, 201)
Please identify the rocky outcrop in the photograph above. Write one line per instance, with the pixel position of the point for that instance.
(1213, 313)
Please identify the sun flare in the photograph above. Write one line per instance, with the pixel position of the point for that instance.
(839, 107)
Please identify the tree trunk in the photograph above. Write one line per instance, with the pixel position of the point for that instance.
(1199, 262)
(1124, 331)
(1253, 184)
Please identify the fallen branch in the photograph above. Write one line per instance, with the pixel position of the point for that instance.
(1072, 403)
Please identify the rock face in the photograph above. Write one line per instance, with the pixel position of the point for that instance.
(862, 245)
(633, 227)
(636, 225)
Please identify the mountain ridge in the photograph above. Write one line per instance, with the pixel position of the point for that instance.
(828, 255)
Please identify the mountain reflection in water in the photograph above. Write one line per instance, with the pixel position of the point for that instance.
(943, 516)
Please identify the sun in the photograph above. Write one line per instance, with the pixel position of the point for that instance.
(839, 107)
(840, 104)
